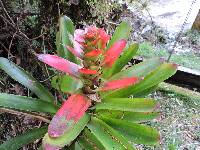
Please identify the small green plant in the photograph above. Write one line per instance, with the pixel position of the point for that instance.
(102, 110)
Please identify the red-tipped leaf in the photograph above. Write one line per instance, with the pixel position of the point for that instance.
(60, 64)
(87, 71)
(118, 84)
(114, 52)
(77, 50)
(68, 115)
(104, 38)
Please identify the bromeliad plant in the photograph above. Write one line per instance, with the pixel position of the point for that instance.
(105, 107)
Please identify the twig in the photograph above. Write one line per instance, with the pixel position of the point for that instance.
(41, 35)
(42, 118)
(5, 11)
(7, 21)
(6, 49)
(11, 43)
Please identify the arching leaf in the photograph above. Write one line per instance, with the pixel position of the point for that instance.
(25, 79)
(26, 103)
(26, 138)
(63, 38)
(162, 73)
(139, 70)
(66, 138)
(112, 54)
(121, 61)
(121, 32)
(89, 141)
(109, 137)
(68, 115)
(127, 115)
(135, 133)
(128, 104)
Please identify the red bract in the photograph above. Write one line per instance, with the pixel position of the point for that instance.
(68, 115)
(114, 52)
(118, 84)
(94, 53)
(104, 38)
(91, 32)
(87, 71)
(78, 35)
(60, 64)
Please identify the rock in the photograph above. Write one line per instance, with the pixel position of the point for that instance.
(146, 29)
(196, 24)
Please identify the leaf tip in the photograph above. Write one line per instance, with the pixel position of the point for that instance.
(40, 57)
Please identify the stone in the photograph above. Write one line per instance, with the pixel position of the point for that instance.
(196, 24)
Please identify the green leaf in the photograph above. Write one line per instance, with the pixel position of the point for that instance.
(21, 140)
(109, 137)
(26, 103)
(128, 116)
(64, 37)
(89, 141)
(136, 133)
(121, 32)
(121, 61)
(139, 70)
(59, 46)
(162, 73)
(146, 92)
(25, 79)
(73, 146)
(127, 104)
(66, 84)
(69, 136)
(40, 147)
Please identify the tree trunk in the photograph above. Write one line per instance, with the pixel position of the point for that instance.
(196, 24)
